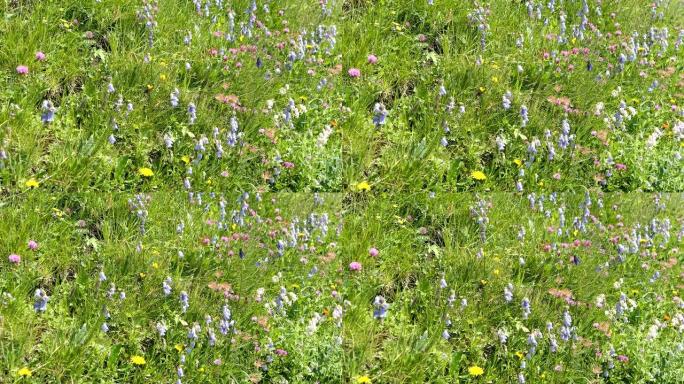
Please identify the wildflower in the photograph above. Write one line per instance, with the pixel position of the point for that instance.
(22, 70)
(161, 328)
(354, 72)
(42, 299)
(166, 286)
(192, 113)
(363, 186)
(508, 293)
(526, 308)
(475, 371)
(503, 336)
(379, 114)
(363, 380)
(145, 172)
(184, 301)
(532, 342)
(443, 283)
(40, 56)
(478, 175)
(48, 110)
(14, 259)
(323, 136)
(174, 97)
(32, 245)
(137, 360)
(381, 307)
(507, 100)
(233, 134)
(444, 142)
(523, 116)
(355, 266)
(24, 372)
(446, 335)
(32, 183)
(373, 252)
(372, 59)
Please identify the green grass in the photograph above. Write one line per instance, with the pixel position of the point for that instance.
(420, 239)
(242, 160)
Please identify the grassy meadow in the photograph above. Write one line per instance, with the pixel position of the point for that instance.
(341, 191)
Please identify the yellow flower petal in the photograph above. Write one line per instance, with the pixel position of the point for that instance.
(478, 175)
(363, 186)
(32, 183)
(145, 172)
(475, 371)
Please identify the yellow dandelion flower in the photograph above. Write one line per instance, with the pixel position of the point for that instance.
(363, 380)
(145, 172)
(186, 159)
(179, 347)
(363, 186)
(518, 162)
(32, 183)
(138, 360)
(478, 175)
(475, 371)
(519, 354)
(24, 372)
